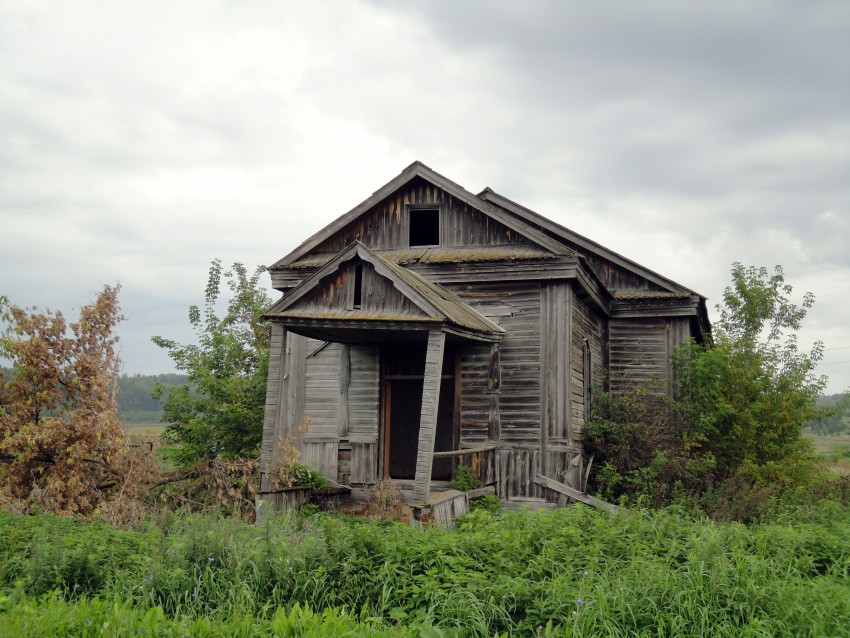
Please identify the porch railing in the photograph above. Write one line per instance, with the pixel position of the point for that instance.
(482, 460)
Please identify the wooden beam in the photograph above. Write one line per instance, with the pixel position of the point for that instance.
(494, 385)
(578, 496)
(428, 421)
(344, 380)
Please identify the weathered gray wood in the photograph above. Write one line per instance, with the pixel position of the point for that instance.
(322, 456)
(481, 491)
(364, 463)
(275, 404)
(278, 500)
(463, 452)
(344, 381)
(291, 417)
(447, 506)
(576, 495)
(494, 385)
(428, 422)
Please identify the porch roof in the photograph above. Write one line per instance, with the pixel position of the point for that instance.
(437, 307)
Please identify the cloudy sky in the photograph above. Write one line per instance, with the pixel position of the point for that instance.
(140, 140)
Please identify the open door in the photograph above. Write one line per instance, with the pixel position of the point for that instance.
(403, 378)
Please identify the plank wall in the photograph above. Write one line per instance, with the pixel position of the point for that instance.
(385, 226)
(641, 351)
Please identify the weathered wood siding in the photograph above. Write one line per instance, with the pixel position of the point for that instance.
(336, 293)
(364, 413)
(641, 351)
(330, 406)
(587, 327)
(272, 407)
(386, 225)
(321, 390)
(516, 307)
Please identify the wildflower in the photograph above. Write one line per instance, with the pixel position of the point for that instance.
(123, 622)
(575, 613)
(76, 585)
(195, 594)
(144, 580)
(88, 622)
(211, 559)
(586, 574)
(580, 601)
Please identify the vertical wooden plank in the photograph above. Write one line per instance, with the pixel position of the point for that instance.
(344, 380)
(295, 374)
(545, 388)
(428, 422)
(275, 403)
(494, 384)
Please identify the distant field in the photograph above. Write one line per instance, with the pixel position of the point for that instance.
(150, 429)
(829, 444)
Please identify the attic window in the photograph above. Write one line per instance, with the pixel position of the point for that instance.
(424, 227)
(358, 287)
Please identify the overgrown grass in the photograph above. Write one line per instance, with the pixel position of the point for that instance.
(573, 571)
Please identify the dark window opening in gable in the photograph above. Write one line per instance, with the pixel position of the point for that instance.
(424, 227)
(358, 286)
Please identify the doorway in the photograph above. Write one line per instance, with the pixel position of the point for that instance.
(403, 375)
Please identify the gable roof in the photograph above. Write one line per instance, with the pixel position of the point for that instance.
(567, 235)
(434, 300)
(418, 169)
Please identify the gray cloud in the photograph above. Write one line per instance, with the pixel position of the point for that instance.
(139, 140)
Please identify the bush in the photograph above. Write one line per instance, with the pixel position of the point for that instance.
(465, 479)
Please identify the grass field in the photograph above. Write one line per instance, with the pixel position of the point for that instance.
(568, 572)
(145, 429)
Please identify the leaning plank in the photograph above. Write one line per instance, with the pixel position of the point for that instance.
(428, 420)
(576, 495)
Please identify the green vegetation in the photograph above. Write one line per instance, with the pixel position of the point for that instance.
(465, 479)
(733, 427)
(573, 571)
(220, 414)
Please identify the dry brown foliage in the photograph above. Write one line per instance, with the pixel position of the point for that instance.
(386, 501)
(61, 444)
(228, 486)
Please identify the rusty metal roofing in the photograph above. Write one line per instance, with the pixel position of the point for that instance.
(441, 255)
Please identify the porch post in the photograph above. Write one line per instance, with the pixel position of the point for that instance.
(428, 420)
(275, 404)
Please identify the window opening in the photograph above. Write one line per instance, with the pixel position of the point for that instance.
(358, 286)
(424, 227)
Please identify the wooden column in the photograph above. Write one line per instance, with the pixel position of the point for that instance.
(428, 421)
(275, 403)
(344, 380)
(494, 384)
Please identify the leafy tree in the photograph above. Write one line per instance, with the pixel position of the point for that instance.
(752, 392)
(740, 401)
(220, 414)
(60, 439)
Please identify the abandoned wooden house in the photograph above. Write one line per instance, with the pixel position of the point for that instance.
(430, 327)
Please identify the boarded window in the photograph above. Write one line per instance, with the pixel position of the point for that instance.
(424, 227)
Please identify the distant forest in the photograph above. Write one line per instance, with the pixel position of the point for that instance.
(837, 423)
(135, 404)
